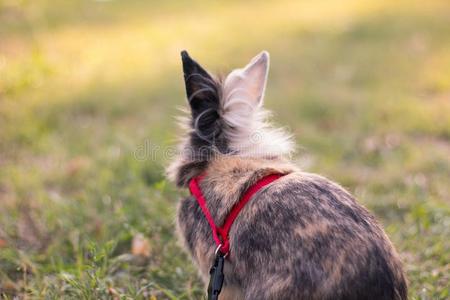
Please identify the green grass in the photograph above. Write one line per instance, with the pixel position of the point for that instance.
(87, 88)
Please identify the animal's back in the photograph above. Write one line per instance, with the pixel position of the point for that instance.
(305, 237)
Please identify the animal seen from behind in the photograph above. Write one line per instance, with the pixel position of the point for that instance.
(300, 237)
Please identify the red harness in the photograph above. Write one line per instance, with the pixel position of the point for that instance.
(220, 234)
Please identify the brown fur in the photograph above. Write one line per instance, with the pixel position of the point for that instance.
(301, 237)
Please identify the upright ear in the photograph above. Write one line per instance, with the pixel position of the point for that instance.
(201, 89)
(248, 84)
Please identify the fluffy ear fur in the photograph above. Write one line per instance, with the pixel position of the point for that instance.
(203, 94)
(201, 89)
(248, 83)
(247, 130)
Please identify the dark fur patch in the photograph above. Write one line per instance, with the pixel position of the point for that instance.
(189, 170)
(203, 94)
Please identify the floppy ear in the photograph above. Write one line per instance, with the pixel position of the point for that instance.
(248, 84)
(201, 89)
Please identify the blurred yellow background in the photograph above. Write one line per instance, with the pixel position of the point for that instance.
(86, 85)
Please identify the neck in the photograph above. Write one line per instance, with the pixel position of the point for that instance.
(228, 177)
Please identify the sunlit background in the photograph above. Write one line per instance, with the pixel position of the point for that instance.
(88, 88)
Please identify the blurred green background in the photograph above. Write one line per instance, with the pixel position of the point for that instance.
(86, 86)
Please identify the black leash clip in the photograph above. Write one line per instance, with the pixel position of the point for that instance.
(216, 279)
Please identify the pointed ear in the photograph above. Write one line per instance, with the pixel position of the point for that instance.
(248, 83)
(201, 89)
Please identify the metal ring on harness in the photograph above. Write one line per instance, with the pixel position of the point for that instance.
(218, 249)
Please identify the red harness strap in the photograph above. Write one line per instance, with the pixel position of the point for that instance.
(220, 234)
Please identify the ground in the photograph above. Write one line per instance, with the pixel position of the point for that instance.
(88, 95)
